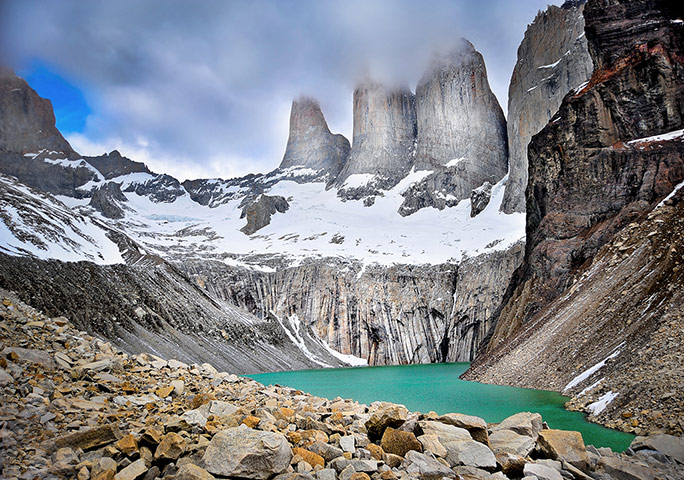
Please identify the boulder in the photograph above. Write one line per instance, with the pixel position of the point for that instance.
(507, 441)
(133, 471)
(387, 415)
(542, 472)
(475, 425)
(309, 457)
(425, 466)
(399, 442)
(325, 450)
(171, 447)
(523, 423)
(430, 443)
(668, 444)
(190, 471)
(511, 464)
(90, 438)
(243, 452)
(469, 452)
(564, 445)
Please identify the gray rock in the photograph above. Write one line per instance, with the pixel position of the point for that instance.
(347, 443)
(384, 133)
(444, 432)
(425, 466)
(133, 471)
(386, 415)
(667, 444)
(326, 474)
(190, 471)
(243, 452)
(106, 200)
(542, 472)
(430, 443)
(469, 452)
(38, 357)
(5, 378)
(502, 441)
(476, 426)
(325, 450)
(310, 143)
(553, 58)
(523, 423)
(479, 198)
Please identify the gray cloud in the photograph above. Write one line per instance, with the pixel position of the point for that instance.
(203, 88)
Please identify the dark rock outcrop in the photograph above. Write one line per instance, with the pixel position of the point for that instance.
(611, 153)
(106, 200)
(259, 212)
(553, 58)
(113, 164)
(310, 143)
(479, 198)
(159, 188)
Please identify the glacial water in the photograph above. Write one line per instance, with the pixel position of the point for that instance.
(437, 387)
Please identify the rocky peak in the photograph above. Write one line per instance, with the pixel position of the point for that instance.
(384, 132)
(457, 114)
(113, 164)
(310, 143)
(553, 58)
(27, 121)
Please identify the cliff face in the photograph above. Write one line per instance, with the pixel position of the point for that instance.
(609, 155)
(387, 315)
(310, 143)
(553, 58)
(384, 133)
(461, 131)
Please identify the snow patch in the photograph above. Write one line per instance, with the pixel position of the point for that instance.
(358, 180)
(673, 135)
(672, 194)
(590, 371)
(454, 162)
(601, 404)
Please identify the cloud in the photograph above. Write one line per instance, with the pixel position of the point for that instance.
(209, 83)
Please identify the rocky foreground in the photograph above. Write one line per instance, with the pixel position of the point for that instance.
(74, 406)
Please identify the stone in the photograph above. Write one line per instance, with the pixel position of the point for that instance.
(542, 472)
(127, 444)
(327, 451)
(5, 378)
(620, 468)
(399, 442)
(564, 445)
(190, 471)
(479, 198)
(133, 471)
(475, 425)
(171, 447)
(443, 431)
(469, 452)
(178, 386)
(359, 476)
(38, 357)
(103, 469)
(347, 443)
(309, 457)
(326, 474)
(523, 423)
(430, 443)
(668, 444)
(425, 466)
(89, 438)
(507, 441)
(511, 464)
(164, 392)
(243, 452)
(259, 212)
(375, 451)
(360, 465)
(386, 415)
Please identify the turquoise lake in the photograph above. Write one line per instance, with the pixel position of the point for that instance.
(437, 387)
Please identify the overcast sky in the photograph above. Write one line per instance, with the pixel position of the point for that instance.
(203, 88)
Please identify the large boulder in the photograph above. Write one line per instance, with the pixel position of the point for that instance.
(243, 452)
(475, 425)
(523, 423)
(502, 441)
(386, 415)
(564, 445)
(425, 466)
(668, 444)
(399, 442)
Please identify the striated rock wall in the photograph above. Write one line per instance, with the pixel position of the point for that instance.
(384, 132)
(310, 143)
(387, 315)
(553, 58)
(612, 152)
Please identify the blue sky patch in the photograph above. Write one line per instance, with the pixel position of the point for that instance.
(71, 108)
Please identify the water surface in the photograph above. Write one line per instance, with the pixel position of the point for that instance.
(437, 387)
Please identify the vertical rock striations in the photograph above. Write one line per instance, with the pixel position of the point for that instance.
(553, 58)
(384, 135)
(310, 143)
(609, 155)
(461, 131)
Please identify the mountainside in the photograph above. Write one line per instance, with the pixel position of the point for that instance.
(612, 152)
(553, 58)
(314, 265)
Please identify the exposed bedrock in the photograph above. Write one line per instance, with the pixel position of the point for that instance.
(553, 58)
(310, 143)
(610, 154)
(388, 315)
